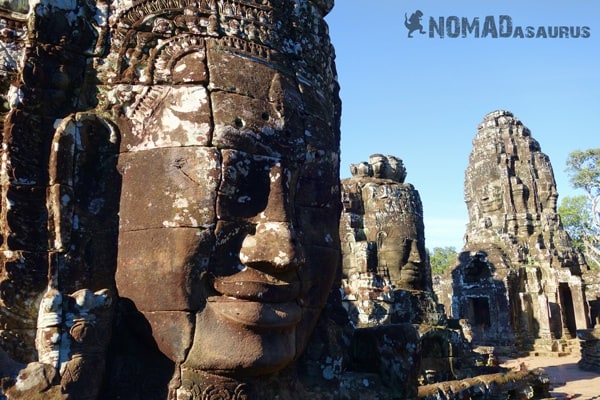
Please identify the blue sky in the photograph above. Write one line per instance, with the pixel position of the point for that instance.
(421, 99)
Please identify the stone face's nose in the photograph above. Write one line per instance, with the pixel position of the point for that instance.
(272, 248)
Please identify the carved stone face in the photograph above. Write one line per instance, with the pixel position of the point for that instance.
(397, 169)
(491, 197)
(182, 159)
(411, 273)
(229, 243)
(380, 165)
(231, 238)
(230, 203)
(269, 272)
(392, 220)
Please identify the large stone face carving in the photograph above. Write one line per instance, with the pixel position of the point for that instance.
(212, 129)
(383, 245)
(387, 283)
(519, 278)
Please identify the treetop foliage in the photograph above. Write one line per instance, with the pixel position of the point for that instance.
(583, 167)
(581, 215)
(442, 259)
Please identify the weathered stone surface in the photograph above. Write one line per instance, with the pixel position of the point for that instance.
(590, 349)
(21, 168)
(445, 355)
(592, 294)
(174, 330)
(23, 279)
(261, 130)
(164, 116)
(520, 384)
(35, 378)
(176, 269)
(391, 353)
(518, 280)
(181, 193)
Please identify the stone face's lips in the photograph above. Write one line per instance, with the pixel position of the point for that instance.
(257, 299)
(258, 291)
(254, 285)
(256, 314)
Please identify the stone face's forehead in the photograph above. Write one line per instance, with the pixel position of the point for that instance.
(250, 76)
(258, 126)
(186, 115)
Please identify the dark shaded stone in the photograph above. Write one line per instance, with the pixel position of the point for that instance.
(391, 353)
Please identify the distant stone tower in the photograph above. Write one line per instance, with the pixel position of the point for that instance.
(518, 281)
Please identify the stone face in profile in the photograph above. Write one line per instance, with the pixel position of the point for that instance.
(383, 241)
(225, 118)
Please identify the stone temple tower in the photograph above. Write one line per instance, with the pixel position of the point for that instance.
(518, 279)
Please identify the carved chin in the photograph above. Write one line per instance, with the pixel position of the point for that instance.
(227, 345)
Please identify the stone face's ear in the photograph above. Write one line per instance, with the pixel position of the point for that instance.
(79, 150)
(83, 204)
(83, 201)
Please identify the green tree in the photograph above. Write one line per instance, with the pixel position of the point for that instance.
(583, 168)
(442, 258)
(576, 217)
